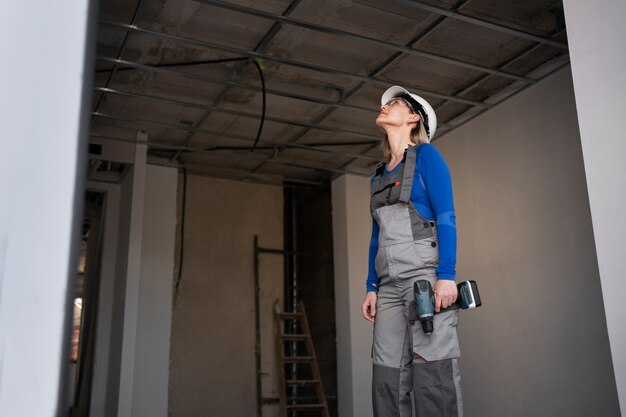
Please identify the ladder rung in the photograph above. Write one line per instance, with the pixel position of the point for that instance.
(289, 336)
(302, 381)
(298, 359)
(304, 406)
(285, 316)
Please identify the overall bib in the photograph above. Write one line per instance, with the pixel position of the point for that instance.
(404, 358)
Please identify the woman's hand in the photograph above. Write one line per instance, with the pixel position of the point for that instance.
(368, 308)
(445, 293)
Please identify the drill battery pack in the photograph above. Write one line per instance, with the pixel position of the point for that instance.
(468, 295)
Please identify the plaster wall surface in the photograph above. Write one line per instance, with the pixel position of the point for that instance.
(538, 346)
(525, 235)
(596, 35)
(212, 363)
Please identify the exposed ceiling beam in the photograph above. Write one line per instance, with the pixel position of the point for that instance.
(277, 145)
(483, 23)
(260, 47)
(133, 21)
(235, 112)
(514, 59)
(336, 32)
(268, 179)
(174, 148)
(384, 64)
(324, 70)
(559, 68)
(238, 84)
(472, 86)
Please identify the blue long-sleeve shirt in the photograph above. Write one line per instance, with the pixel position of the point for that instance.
(432, 197)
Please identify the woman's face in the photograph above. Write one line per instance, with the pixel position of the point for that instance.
(395, 113)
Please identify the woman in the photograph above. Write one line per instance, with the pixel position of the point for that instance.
(413, 238)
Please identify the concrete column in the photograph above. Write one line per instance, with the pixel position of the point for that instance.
(596, 34)
(45, 86)
(154, 317)
(351, 235)
(133, 269)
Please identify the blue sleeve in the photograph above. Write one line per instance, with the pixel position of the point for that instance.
(438, 182)
(372, 278)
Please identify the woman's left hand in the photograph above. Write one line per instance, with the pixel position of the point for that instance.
(445, 293)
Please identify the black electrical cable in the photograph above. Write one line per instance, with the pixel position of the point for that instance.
(258, 135)
(182, 235)
(184, 202)
(177, 64)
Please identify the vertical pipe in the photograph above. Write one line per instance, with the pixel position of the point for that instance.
(257, 330)
(294, 286)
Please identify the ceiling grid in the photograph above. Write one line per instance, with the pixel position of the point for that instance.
(185, 71)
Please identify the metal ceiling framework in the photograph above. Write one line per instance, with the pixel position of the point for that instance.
(352, 138)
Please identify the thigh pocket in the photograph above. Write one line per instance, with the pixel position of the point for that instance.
(443, 343)
(427, 250)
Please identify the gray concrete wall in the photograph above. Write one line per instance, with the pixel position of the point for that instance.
(525, 234)
(596, 34)
(212, 365)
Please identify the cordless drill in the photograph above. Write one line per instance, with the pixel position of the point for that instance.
(425, 301)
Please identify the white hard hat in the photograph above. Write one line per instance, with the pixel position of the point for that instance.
(419, 105)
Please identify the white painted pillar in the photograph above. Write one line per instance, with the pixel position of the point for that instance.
(154, 318)
(133, 270)
(352, 224)
(597, 39)
(45, 85)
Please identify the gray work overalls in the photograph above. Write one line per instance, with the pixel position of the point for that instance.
(404, 358)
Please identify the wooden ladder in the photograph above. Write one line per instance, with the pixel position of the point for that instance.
(283, 326)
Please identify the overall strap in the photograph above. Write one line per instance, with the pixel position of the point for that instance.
(408, 173)
(379, 173)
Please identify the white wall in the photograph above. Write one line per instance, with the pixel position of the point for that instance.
(524, 233)
(351, 234)
(44, 88)
(597, 37)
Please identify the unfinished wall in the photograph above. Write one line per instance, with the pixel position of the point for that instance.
(212, 368)
(524, 233)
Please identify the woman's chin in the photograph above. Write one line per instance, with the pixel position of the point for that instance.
(380, 121)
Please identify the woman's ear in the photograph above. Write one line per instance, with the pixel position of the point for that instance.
(414, 118)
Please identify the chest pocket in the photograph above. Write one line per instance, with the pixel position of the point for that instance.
(386, 192)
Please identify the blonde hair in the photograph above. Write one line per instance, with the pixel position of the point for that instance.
(418, 136)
